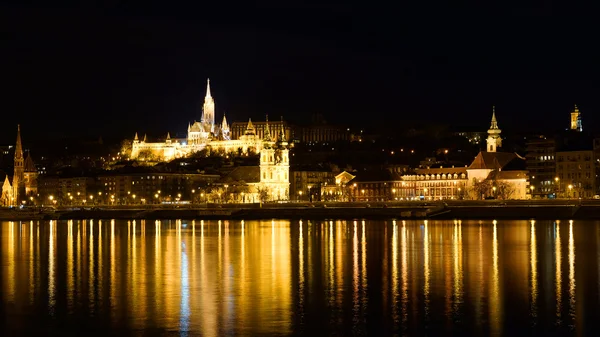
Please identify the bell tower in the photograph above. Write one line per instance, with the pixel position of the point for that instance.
(18, 182)
(576, 120)
(275, 165)
(494, 141)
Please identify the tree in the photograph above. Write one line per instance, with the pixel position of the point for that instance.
(263, 193)
(481, 188)
(504, 190)
(126, 148)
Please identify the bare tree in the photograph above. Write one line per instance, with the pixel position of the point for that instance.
(504, 190)
(481, 188)
(263, 193)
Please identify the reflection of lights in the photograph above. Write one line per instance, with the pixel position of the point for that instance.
(404, 275)
(11, 261)
(394, 270)
(185, 292)
(91, 263)
(571, 271)
(426, 268)
(70, 258)
(51, 270)
(558, 267)
(495, 313)
(533, 253)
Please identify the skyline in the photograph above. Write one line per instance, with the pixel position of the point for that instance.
(147, 69)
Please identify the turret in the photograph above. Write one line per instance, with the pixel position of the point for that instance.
(168, 140)
(282, 139)
(136, 139)
(250, 130)
(267, 136)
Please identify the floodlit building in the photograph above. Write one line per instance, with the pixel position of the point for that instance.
(23, 186)
(203, 134)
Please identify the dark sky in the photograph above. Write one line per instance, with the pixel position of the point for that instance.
(114, 68)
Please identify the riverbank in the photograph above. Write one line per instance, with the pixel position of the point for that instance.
(589, 210)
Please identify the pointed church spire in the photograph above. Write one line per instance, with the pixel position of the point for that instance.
(168, 136)
(282, 138)
(18, 146)
(136, 137)
(494, 121)
(208, 88)
(224, 123)
(145, 138)
(267, 136)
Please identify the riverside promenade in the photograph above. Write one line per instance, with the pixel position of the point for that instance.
(488, 209)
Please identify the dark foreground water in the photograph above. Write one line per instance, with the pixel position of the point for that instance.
(511, 278)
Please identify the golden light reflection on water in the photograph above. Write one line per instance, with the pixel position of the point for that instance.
(572, 294)
(230, 277)
(495, 305)
(426, 271)
(51, 269)
(558, 271)
(534, 273)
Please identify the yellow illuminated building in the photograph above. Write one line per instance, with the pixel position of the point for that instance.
(203, 134)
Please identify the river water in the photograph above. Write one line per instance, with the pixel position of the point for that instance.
(221, 278)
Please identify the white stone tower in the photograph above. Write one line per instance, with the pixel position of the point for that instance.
(208, 110)
(494, 141)
(275, 166)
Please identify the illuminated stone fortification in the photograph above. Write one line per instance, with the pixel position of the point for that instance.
(201, 134)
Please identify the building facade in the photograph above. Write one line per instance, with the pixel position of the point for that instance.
(576, 172)
(541, 164)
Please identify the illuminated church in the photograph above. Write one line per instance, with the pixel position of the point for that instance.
(24, 179)
(201, 134)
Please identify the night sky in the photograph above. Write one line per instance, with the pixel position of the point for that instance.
(113, 69)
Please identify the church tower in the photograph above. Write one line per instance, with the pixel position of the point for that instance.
(274, 166)
(493, 140)
(208, 110)
(19, 170)
(576, 120)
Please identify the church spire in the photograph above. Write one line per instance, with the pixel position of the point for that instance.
(494, 121)
(267, 136)
(18, 146)
(208, 88)
(281, 137)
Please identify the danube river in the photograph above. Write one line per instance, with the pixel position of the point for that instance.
(221, 278)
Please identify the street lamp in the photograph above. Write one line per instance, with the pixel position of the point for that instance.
(570, 189)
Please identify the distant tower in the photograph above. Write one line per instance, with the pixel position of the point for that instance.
(19, 170)
(576, 120)
(494, 141)
(208, 110)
